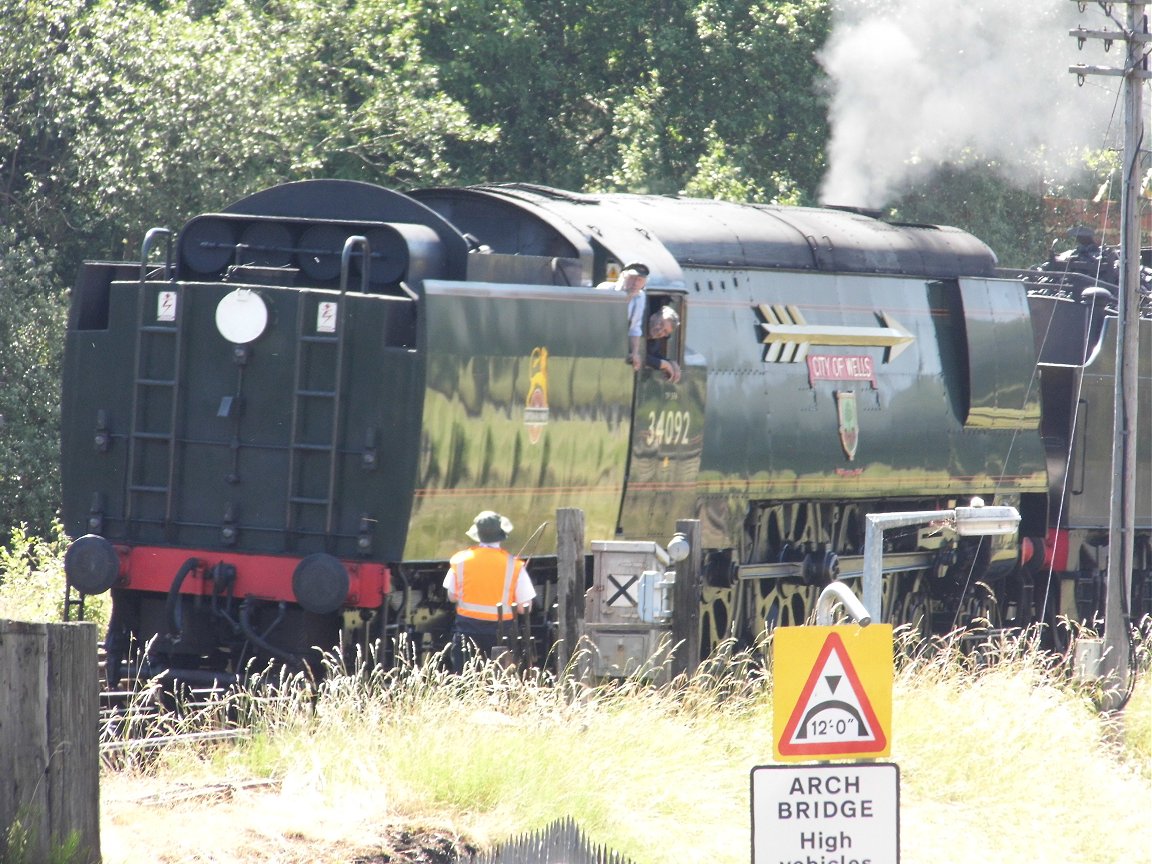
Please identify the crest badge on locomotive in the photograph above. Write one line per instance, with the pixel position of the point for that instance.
(536, 405)
(849, 424)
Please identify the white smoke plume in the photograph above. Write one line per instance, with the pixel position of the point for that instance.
(917, 83)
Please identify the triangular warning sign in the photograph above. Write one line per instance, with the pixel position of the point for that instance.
(833, 714)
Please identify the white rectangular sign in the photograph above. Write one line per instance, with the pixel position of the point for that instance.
(326, 317)
(166, 306)
(826, 814)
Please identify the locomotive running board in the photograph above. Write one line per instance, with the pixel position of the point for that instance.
(850, 567)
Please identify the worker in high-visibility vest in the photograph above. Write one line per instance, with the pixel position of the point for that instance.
(490, 588)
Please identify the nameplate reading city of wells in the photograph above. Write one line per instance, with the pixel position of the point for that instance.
(832, 692)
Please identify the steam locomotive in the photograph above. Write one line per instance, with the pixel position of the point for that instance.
(280, 421)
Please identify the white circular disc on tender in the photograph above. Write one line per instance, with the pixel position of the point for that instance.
(241, 316)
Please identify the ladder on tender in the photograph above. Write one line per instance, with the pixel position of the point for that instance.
(310, 350)
(73, 603)
(157, 337)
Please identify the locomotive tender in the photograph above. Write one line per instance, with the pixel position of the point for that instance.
(279, 422)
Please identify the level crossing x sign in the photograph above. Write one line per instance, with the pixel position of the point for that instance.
(623, 590)
(832, 692)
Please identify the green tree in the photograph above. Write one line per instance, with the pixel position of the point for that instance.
(168, 113)
(31, 147)
(122, 115)
(31, 290)
(976, 197)
(642, 96)
(31, 326)
(744, 76)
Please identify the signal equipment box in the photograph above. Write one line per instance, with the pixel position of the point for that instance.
(628, 609)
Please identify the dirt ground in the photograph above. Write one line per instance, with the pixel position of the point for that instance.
(257, 823)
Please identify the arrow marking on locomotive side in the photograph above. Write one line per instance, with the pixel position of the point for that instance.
(788, 335)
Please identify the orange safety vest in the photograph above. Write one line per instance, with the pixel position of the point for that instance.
(485, 576)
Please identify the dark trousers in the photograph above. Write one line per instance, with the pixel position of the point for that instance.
(472, 637)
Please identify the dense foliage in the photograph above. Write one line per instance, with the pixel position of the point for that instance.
(119, 116)
(31, 325)
(975, 198)
(658, 96)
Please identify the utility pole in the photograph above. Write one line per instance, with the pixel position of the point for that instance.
(1122, 513)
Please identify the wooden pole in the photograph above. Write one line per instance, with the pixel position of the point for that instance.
(1122, 518)
(74, 739)
(686, 597)
(1113, 667)
(23, 739)
(49, 742)
(569, 582)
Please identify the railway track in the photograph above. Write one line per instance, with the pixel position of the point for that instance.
(138, 719)
(135, 723)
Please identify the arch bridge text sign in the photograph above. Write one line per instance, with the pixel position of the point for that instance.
(826, 814)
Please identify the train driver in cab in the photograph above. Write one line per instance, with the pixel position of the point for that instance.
(490, 588)
(631, 282)
(661, 325)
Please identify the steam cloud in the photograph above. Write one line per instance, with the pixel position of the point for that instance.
(917, 83)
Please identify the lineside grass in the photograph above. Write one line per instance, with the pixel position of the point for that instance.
(1002, 758)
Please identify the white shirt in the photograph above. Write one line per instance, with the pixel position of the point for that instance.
(636, 305)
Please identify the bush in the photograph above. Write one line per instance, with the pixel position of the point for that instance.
(32, 315)
(32, 585)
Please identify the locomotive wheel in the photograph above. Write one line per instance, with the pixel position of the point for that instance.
(916, 614)
(979, 609)
(847, 530)
(791, 524)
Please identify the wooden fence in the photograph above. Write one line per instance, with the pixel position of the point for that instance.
(49, 743)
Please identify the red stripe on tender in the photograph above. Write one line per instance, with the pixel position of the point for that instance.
(266, 577)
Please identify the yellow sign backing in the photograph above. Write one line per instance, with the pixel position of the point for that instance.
(832, 692)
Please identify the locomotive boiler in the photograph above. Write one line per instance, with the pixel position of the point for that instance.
(278, 423)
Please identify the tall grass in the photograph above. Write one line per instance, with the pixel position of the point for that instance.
(1002, 756)
(1005, 758)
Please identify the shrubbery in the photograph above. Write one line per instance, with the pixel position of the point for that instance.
(32, 582)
